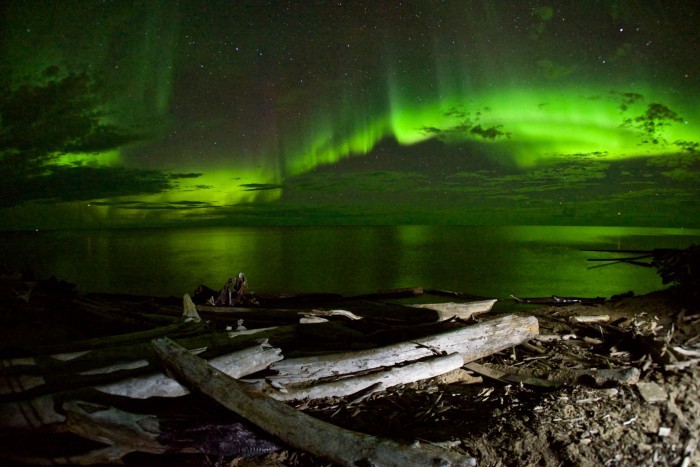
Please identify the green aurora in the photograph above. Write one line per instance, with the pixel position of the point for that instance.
(133, 114)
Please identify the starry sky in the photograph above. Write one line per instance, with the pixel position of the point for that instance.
(211, 113)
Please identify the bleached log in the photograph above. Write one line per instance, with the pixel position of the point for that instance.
(459, 310)
(236, 365)
(189, 310)
(122, 376)
(382, 379)
(326, 313)
(312, 320)
(116, 367)
(471, 342)
(292, 426)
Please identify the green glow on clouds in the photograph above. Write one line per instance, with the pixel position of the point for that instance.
(185, 83)
(528, 126)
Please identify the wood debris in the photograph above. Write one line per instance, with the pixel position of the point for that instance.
(582, 373)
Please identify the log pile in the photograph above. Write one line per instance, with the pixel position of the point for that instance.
(141, 391)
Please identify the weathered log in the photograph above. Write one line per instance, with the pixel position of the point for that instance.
(459, 310)
(105, 366)
(381, 380)
(471, 342)
(294, 427)
(236, 365)
(390, 312)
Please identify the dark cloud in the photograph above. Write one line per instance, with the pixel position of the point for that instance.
(74, 183)
(69, 183)
(42, 120)
(491, 133)
(59, 114)
(468, 124)
(185, 175)
(151, 206)
(261, 186)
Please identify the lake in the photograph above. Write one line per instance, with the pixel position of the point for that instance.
(480, 260)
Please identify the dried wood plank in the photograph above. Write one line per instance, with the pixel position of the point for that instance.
(471, 342)
(381, 380)
(294, 427)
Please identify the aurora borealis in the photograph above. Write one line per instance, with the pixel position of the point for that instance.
(167, 113)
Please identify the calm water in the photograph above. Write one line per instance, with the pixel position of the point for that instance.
(488, 261)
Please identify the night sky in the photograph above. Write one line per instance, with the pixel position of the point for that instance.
(165, 113)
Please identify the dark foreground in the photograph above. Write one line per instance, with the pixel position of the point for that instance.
(544, 402)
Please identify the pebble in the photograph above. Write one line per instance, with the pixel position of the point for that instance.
(652, 392)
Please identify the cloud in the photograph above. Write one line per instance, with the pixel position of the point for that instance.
(39, 121)
(75, 183)
(60, 114)
(261, 186)
(150, 206)
(185, 175)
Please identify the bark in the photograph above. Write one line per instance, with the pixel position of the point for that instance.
(294, 427)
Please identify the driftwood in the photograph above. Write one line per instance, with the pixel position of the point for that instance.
(236, 365)
(63, 372)
(459, 310)
(294, 427)
(471, 342)
(351, 310)
(372, 382)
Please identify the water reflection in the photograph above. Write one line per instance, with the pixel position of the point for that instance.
(489, 261)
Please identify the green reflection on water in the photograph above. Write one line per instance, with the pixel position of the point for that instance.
(488, 261)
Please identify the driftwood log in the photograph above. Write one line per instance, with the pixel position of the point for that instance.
(459, 310)
(372, 382)
(292, 426)
(236, 365)
(471, 342)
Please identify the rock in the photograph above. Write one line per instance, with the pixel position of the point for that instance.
(652, 392)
